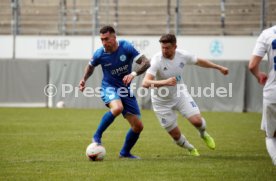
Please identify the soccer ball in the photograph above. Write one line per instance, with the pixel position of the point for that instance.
(95, 152)
(60, 104)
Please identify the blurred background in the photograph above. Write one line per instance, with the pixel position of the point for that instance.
(129, 17)
(46, 42)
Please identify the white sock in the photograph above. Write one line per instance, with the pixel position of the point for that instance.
(271, 148)
(202, 128)
(183, 142)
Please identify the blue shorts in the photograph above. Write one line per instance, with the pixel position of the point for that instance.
(128, 99)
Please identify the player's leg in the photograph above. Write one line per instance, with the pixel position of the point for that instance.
(132, 135)
(199, 122)
(189, 109)
(116, 107)
(131, 113)
(181, 140)
(167, 119)
(269, 126)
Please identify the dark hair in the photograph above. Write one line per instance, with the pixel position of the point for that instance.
(106, 29)
(168, 38)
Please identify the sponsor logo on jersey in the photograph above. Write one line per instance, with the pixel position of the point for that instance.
(165, 68)
(120, 70)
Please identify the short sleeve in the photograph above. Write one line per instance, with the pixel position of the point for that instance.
(191, 58)
(92, 62)
(131, 50)
(188, 57)
(260, 47)
(95, 59)
(153, 66)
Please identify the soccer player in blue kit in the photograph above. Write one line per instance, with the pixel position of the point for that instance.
(116, 58)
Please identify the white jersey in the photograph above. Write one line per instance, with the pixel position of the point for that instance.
(266, 43)
(163, 68)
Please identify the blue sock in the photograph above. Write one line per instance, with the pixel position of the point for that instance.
(130, 141)
(107, 119)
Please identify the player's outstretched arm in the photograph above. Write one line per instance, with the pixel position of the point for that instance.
(208, 64)
(253, 66)
(89, 69)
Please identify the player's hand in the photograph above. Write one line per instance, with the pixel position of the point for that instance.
(171, 81)
(82, 85)
(262, 78)
(127, 79)
(224, 70)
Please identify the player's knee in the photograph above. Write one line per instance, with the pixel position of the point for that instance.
(197, 122)
(117, 110)
(138, 127)
(175, 132)
(176, 136)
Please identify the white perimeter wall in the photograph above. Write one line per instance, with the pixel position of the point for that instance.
(52, 59)
(81, 47)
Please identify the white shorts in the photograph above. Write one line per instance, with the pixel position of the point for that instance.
(166, 110)
(269, 119)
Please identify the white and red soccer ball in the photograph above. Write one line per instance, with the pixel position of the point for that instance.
(95, 152)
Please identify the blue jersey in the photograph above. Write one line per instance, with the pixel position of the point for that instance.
(115, 65)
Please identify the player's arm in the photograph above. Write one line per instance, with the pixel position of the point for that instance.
(144, 64)
(253, 66)
(149, 82)
(208, 64)
(89, 69)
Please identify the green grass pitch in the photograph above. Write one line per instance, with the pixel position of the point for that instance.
(49, 144)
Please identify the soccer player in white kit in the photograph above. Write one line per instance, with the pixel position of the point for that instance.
(169, 92)
(266, 44)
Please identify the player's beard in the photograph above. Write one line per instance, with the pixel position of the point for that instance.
(108, 48)
(168, 55)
